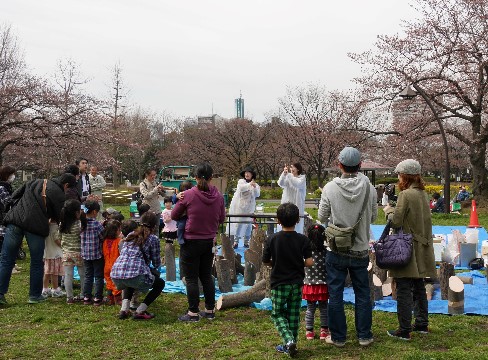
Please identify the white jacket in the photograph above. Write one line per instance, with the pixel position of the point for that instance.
(294, 191)
(243, 202)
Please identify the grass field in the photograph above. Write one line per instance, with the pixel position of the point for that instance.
(55, 330)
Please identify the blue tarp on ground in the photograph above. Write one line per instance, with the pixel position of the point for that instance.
(475, 295)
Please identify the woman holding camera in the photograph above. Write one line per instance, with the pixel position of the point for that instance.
(150, 191)
(294, 185)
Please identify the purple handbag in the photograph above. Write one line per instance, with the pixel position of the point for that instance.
(393, 251)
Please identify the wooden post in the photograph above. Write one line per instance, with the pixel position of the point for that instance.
(381, 273)
(455, 296)
(429, 290)
(229, 254)
(466, 280)
(249, 274)
(386, 287)
(239, 266)
(265, 274)
(446, 270)
(169, 255)
(222, 267)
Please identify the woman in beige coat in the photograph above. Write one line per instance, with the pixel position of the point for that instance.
(412, 212)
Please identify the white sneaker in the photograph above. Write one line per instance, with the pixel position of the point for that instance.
(366, 342)
(58, 293)
(47, 293)
(328, 340)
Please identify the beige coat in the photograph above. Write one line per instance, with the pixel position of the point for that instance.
(413, 214)
(151, 195)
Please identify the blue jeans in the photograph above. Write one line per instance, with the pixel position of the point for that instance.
(11, 243)
(337, 268)
(93, 269)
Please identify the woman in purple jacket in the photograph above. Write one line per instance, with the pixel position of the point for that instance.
(204, 207)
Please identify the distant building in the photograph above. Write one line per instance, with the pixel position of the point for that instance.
(239, 107)
(203, 122)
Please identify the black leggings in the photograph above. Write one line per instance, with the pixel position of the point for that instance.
(157, 287)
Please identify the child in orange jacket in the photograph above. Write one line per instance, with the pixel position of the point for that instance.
(112, 238)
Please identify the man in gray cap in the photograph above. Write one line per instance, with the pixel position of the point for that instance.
(349, 201)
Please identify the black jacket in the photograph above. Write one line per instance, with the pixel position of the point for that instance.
(28, 211)
(79, 186)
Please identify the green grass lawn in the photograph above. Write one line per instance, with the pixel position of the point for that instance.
(55, 330)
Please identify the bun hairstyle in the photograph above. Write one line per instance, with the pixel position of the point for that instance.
(67, 216)
(148, 222)
(316, 234)
(203, 172)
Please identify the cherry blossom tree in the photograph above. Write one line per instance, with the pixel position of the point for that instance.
(443, 55)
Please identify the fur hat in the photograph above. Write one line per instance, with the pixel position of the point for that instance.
(248, 169)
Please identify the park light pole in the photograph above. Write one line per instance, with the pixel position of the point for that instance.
(410, 92)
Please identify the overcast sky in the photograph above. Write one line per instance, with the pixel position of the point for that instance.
(181, 57)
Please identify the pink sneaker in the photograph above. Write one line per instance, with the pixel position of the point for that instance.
(310, 335)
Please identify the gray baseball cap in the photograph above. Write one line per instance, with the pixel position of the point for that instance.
(349, 156)
(409, 166)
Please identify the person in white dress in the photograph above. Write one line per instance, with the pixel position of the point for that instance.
(294, 185)
(243, 202)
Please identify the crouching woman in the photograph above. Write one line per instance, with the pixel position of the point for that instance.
(135, 268)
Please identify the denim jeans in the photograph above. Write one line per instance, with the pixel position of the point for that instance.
(196, 259)
(93, 269)
(337, 266)
(411, 295)
(11, 243)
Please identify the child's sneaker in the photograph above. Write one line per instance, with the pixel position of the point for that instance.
(118, 299)
(402, 335)
(46, 293)
(324, 333)
(143, 316)
(292, 349)
(70, 300)
(310, 335)
(97, 302)
(57, 293)
(124, 315)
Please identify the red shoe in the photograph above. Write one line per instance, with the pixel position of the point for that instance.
(310, 335)
(143, 316)
(110, 299)
(324, 333)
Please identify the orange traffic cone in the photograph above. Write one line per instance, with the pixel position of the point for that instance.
(473, 221)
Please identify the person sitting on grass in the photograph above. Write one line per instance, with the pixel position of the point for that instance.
(438, 202)
(131, 271)
(287, 252)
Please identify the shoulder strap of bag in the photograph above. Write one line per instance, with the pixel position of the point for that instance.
(365, 203)
(43, 194)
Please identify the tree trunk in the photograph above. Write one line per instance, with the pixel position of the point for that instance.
(455, 297)
(239, 266)
(243, 298)
(477, 158)
(249, 274)
(446, 270)
(222, 267)
(381, 273)
(169, 256)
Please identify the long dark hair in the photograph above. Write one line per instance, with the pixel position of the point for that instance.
(67, 216)
(316, 234)
(148, 222)
(203, 173)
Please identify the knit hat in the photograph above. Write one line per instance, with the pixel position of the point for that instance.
(409, 166)
(349, 156)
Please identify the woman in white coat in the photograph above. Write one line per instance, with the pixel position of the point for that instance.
(294, 186)
(243, 202)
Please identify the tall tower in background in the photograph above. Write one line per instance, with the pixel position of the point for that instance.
(239, 107)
